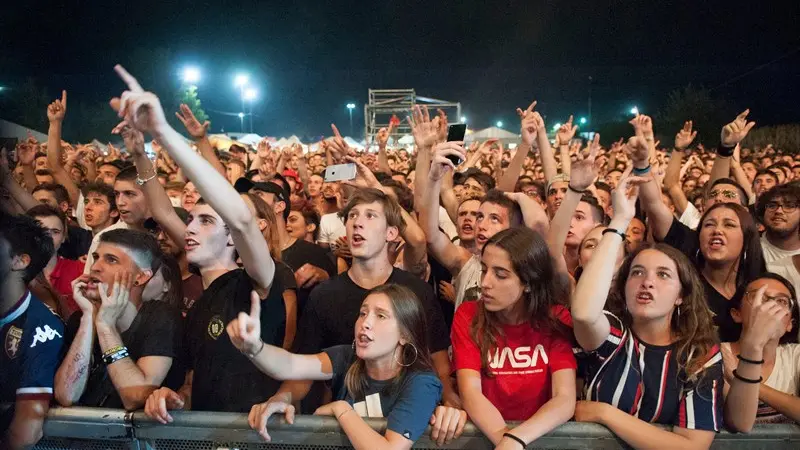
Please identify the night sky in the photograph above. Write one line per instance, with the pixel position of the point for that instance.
(308, 59)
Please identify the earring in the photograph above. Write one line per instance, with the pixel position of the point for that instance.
(354, 345)
(403, 347)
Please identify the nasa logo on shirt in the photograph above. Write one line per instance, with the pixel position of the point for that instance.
(13, 338)
(215, 327)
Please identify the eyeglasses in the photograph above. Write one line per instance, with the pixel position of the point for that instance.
(726, 193)
(783, 300)
(787, 206)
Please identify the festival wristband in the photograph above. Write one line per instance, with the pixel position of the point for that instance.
(725, 152)
(639, 172)
(114, 357)
(113, 350)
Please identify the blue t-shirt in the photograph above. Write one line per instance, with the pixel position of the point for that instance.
(33, 337)
(407, 406)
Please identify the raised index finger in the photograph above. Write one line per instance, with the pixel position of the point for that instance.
(743, 114)
(64, 98)
(530, 108)
(336, 131)
(255, 305)
(133, 85)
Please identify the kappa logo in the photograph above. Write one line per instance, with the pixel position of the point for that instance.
(48, 334)
(215, 327)
(520, 357)
(13, 338)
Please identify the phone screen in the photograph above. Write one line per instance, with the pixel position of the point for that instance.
(455, 133)
(340, 172)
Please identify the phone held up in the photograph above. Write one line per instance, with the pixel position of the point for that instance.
(455, 133)
(340, 172)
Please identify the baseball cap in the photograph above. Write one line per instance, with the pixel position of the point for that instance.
(289, 173)
(562, 177)
(244, 185)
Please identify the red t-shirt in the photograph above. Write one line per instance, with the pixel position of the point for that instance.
(521, 367)
(65, 271)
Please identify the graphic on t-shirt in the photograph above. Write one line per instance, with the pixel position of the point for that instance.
(215, 327)
(519, 358)
(44, 335)
(13, 338)
(370, 407)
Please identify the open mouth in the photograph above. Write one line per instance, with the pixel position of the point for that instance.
(644, 297)
(357, 240)
(716, 243)
(362, 340)
(93, 283)
(481, 238)
(190, 244)
(467, 228)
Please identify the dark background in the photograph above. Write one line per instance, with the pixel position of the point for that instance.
(308, 59)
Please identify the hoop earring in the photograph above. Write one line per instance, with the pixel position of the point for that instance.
(679, 311)
(697, 255)
(354, 345)
(416, 355)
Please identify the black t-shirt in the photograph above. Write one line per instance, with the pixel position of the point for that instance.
(333, 308)
(301, 253)
(684, 239)
(77, 244)
(156, 331)
(440, 273)
(224, 379)
(192, 290)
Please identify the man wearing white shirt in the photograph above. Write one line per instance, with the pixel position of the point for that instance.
(778, 211)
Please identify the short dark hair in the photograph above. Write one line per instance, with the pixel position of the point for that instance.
(598, 214)
(128, 174)
(116, 163)
(787, 338)
(766, 172)
(498, 197)
(404, 195)
(743, 198)
(42, 210)
(602, 186)
(785, 191)
(310, 215)
(26, 236)
(103, 189)
(59, 191)
(143, 244)
(485, 180)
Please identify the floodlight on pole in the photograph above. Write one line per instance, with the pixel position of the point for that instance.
(250, 94)
(499, 124)
(634, 110)
(463, 119)
(583, 121)
(241, 80)
(191, 75)
(241, 121)
(350, 107)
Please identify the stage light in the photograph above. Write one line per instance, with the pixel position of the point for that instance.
(191, 75)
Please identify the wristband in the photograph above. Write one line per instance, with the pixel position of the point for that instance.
(254, 354)
(114, 357)
(520, 441)
(746, 380)
(615, 231)
(569, 186)
(644, 171)
(113, 350)
(725, 152)
(749, 361)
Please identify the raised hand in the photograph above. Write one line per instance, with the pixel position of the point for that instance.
(685, 137)
(133, 139)
(245, 330)
(364, 176)
(584, 172)
(114, 302)
(735, 132)
(643, 126)
(193, 126)
(260, 413)
(26, 154)
(382, 138)
(529, 123)
(441, 124)
(58, 109)
(485, 148)
(139, 108)
(766, 321)
(638, 150)
(338, 146)
(440, 164)
(426, 132)
(263, 149)
(566, 132)
(623, 198)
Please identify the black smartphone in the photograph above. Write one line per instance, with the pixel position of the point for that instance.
(455, 133)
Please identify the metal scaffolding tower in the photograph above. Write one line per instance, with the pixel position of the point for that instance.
(383, 103)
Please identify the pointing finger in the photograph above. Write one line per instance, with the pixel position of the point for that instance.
(64, 98)
(530, 108)
(743, 114)
(255, 304)
(133, 85)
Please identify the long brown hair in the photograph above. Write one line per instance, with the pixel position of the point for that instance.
(533, 264)
(692, 321)
(410, 316)
(264, 211)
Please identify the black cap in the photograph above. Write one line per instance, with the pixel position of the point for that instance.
(243, 185)
(151, 224)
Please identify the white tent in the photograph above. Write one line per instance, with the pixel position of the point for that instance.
(406, 140)
(250, 139)
(492, 133)
(13, 130)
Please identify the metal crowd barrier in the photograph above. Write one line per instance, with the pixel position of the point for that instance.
(95, 429)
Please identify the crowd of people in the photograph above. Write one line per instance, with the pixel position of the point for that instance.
(635, 284)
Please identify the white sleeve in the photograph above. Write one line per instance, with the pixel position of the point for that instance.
(446, 224)
(80, 213)
(691, 216)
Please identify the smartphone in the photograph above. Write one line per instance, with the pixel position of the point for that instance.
(340, 172)
(455, 133)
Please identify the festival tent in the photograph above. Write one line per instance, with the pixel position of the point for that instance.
(505, 136)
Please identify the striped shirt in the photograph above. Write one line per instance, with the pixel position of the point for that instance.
(644, 381)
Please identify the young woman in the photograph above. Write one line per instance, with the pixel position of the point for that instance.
(762, 371)
(303, 224)
(647, 366)
(166, 284)
(513, 357)
(385, 373)
(725, 249)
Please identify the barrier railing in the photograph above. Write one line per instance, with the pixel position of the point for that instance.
(93, 428)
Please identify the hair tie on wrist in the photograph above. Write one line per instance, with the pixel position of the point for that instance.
(569, 186)
(615, 231)
(644, 171)
(747, 380)
(520, 441)
(749, 361)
